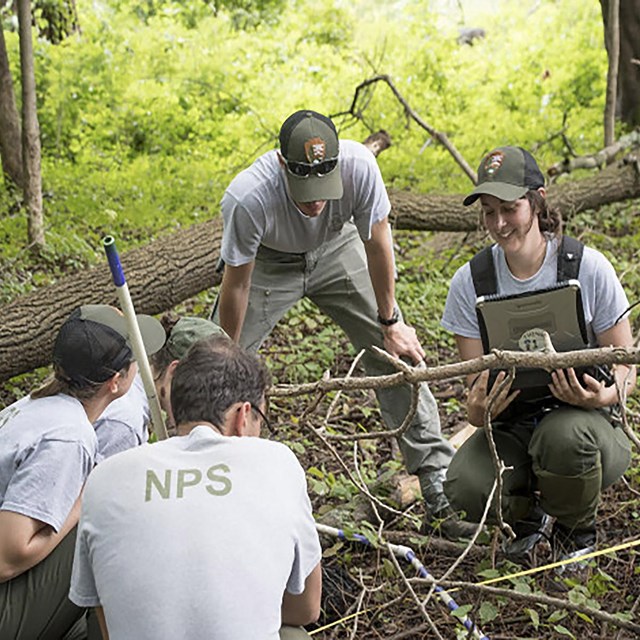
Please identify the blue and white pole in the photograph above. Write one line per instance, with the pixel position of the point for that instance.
(409, 556)
(137, 345)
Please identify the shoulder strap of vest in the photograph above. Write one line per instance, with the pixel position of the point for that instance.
(569, 258)
(483, 270)
(484, 273)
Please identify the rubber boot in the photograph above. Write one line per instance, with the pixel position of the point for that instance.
(440, 516)
(530, 532)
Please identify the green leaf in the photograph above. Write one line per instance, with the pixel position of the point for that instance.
(563, 631)
(535, 618)
(488, 612)
(462, 611)
(557, 615)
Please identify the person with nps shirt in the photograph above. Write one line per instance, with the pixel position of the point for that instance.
(208, 534)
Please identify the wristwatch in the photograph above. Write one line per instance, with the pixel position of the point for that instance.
(395, 316)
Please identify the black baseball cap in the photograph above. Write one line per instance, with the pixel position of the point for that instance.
(94, 343)
(309, 140)
(506, 173)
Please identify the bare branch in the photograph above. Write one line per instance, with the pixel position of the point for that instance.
(356, 111)
(497, 359)
(595, 160)
(537, 598)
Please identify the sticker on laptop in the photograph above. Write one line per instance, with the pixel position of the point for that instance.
(534, 340)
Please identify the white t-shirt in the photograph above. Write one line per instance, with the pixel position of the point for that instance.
(257, 208)
(47, 449)
(123, 424)
(195, 537)
(603, 297)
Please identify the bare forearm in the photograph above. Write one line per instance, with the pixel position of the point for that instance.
(102, 622)
(26, 542)
(382, 271)
(234, 298)
(304, 608)
(233, 308)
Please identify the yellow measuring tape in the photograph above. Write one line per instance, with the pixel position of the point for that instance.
(511, 576)
(560, 563)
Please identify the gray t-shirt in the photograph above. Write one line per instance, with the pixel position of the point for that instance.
(257, 208)
(603, 297)
(47, 449)
(123, 424)
(195, 537)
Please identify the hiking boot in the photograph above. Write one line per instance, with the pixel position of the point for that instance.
(571, 544)
(450, 524)
(531, 533)
(441, 517)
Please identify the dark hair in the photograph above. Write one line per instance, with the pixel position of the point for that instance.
(161, 359)
(59, 382)
(215, 374)
(549, 220)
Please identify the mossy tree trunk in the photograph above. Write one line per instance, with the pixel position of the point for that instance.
(10, 135)
(32, 179)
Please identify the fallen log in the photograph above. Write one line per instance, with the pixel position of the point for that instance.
(182, 264)
(160, 275)
(616, 183)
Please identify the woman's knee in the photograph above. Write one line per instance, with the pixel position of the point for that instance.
(566, 441)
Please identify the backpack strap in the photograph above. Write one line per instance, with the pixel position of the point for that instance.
(483, 273)
(569, 258)
(483, 270)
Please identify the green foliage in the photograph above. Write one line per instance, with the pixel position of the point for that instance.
(148, 112)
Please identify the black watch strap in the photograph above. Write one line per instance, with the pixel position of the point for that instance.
(387, 322)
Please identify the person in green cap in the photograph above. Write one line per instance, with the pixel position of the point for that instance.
(124, 423)
(563, 445)
(312, 220)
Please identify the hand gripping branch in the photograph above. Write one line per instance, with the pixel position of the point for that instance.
(139, 352)
(409, 556)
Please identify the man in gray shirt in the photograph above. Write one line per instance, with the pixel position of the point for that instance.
(312, 220)
(208, 534)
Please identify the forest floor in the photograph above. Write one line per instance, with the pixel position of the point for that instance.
(367, 594)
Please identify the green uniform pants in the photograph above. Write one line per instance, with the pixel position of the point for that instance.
(335, 277)
(35, 604)
(568, 457)
(293, 633)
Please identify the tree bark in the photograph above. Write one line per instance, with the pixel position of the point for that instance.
(10, 134)
(30, 131)
(628, 102)
(160, 275)
(180, 265)
(612, 38)
(618, 182)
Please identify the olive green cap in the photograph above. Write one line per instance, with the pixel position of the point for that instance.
(506, 173)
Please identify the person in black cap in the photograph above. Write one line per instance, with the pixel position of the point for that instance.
(312, 220)
(124, 423)
(47, 449)
(564, 446)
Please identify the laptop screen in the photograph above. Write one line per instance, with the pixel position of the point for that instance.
(519, 322)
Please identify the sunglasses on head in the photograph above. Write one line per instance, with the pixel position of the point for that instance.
(304, 169)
